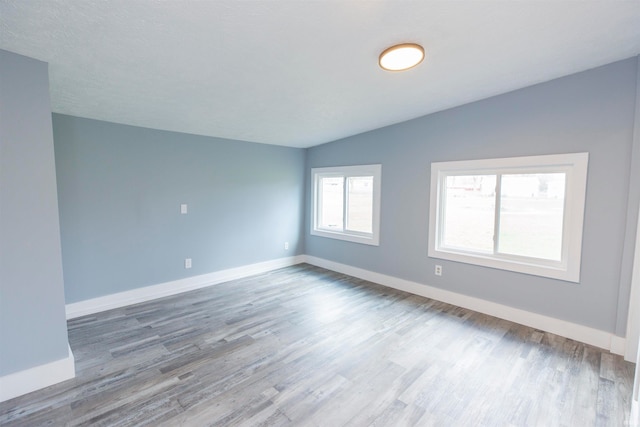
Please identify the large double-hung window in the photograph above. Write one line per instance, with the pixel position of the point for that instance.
(522, 214)
(346, 203)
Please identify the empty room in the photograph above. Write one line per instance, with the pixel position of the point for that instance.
(319, 213)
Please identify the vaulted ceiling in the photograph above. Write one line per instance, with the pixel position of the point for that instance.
(301, 73)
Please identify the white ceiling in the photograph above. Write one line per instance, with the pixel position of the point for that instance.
(301, 73)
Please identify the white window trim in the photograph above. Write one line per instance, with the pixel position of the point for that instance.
(348, 171)
(574, 164)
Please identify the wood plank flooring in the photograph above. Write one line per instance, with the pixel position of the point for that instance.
(305, 346)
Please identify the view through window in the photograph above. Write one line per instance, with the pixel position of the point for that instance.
(521, 214)
(530, 214)
(346, 203)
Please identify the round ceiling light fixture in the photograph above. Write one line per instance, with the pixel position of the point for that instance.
(401, 57)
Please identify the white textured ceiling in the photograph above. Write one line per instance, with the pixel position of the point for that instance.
(301, 73)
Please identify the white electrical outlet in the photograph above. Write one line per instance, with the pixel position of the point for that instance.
(286, 246)
(187, 263)
(438, 270)
(183, 208)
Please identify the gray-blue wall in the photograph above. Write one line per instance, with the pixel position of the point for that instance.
(120, 189)
(33, 330)
(591, 111)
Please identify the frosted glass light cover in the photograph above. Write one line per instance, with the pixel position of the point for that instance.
(401, 57)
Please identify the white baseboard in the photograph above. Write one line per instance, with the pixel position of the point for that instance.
(135, 296)
(32, 379)
(563, 328)
(618, 345)
(585, 334)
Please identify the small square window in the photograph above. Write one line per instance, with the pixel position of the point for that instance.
(346, 203)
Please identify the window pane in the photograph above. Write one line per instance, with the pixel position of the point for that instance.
(360, 204)
(531, 215)
(346, 203)
(331, 202)
(469, 212)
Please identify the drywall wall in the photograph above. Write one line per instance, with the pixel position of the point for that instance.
(33, 329)
(592, 111)
(632, 246)
(120, 191)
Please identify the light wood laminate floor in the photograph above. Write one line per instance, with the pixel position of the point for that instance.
(305, 346)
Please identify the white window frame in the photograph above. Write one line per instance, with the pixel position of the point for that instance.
(573, 164)
(375, 171)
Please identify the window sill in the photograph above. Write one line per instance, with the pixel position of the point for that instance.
(355, 238)
(550, 271)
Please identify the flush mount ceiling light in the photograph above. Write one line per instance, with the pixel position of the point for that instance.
(401, 57)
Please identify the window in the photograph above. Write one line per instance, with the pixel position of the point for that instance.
(521, 214)
(346, 203)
